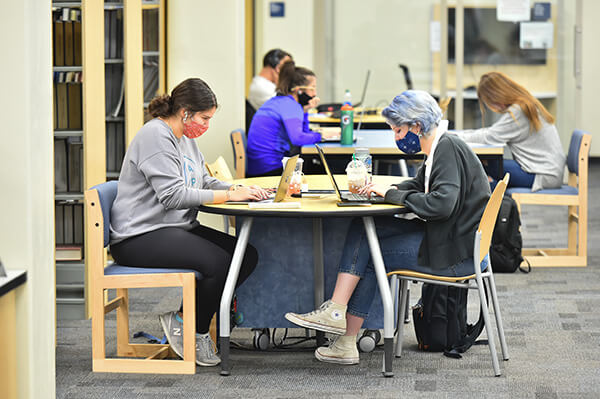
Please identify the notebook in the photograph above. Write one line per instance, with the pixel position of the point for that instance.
(281, 188)
(347, 196)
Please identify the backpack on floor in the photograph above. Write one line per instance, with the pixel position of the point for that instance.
(507, 243)
(440, 320)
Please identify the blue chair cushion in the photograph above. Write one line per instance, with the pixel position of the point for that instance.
(115, 269)
(107, 192)
(564, 190)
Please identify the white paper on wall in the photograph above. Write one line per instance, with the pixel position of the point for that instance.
(513, 10)
(536, 35)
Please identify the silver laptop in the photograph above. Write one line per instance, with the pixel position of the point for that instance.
(284, 182)
(347, 196)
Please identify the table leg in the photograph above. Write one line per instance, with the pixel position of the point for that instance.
(319, 270)
(232, 276)
(386, 295)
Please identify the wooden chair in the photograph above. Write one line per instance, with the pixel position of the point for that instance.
(483, 239)
(238, 142)
(574, 195)
(220, 170)
(132, 358)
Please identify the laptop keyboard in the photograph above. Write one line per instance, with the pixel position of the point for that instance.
(356, 197)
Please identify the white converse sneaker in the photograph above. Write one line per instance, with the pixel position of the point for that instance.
(342, 350)
(330, 317)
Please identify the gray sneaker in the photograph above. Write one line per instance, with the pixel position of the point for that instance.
(205, 351)
(174, 331)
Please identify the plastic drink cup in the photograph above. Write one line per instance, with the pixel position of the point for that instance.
(295, 185)
(357, 175)
(362, 154)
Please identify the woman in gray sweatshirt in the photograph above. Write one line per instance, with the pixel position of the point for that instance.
(153, 219)
(526, 127)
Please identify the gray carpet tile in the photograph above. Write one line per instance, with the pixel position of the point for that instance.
(551, 320)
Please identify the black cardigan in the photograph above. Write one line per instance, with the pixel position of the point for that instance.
(458, 193)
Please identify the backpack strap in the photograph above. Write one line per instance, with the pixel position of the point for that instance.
(522, 270)
(473, 332)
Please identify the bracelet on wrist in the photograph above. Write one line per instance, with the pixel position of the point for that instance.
(227, 195)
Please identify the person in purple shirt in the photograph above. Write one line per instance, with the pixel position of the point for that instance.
(282, 122)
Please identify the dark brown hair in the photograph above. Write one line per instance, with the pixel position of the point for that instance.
(291, 76)
(192, 94)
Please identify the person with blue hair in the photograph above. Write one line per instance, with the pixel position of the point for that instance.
(448, 196)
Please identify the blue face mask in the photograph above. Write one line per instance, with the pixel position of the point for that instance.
(409, 144)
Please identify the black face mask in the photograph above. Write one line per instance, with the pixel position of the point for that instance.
(304, 98)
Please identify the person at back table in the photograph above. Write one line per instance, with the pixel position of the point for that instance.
(263, 85)
(282, 122)
(153, 219)
(448, 194)
(526, 127)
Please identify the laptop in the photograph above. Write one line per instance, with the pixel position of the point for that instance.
(336, 107)
(281, 188)
(347, 196)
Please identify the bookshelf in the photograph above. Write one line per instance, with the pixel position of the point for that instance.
(77, 132)
(103, 51)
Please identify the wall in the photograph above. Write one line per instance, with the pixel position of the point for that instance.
(206, 40)
(587, 101)
(292, 33)
(27, 179)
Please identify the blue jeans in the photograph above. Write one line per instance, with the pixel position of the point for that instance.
(399, 240)
(518, 177)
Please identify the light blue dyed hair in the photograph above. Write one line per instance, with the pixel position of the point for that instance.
(411, 107)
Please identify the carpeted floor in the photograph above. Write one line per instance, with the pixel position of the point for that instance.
(551, 318)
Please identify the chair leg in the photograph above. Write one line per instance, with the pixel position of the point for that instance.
(98, 333)
(395, 296)
(123, 323)
(402, 304)
(488, 328)
(499, 325)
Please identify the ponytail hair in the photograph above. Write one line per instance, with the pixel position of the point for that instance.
(192, 94)
(291, 76)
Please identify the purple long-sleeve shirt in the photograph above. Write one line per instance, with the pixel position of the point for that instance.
(281, 121)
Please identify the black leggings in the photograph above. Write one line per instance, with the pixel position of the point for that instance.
(203, 249)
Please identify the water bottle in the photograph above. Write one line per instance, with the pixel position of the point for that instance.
(347, 124)
(347, 98)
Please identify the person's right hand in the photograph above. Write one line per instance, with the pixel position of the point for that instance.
(245, 193)
(330, 132)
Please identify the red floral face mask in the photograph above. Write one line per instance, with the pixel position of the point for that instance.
(193, 129)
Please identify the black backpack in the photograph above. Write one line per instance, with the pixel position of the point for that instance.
(440, 320)
(507, 242)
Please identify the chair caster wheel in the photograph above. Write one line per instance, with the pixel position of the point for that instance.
(368, 341)
(261, 339)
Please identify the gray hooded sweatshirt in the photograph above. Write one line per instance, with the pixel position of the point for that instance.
(163, 179)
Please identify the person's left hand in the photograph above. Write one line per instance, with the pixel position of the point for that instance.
(371, 188)
(312, 103)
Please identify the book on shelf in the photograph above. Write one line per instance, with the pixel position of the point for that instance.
(59, 224)
(68, 101)
(68, 223)
(74, 162)
(60, 166)
(69, 252)
(78, 224)
(66, 29)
